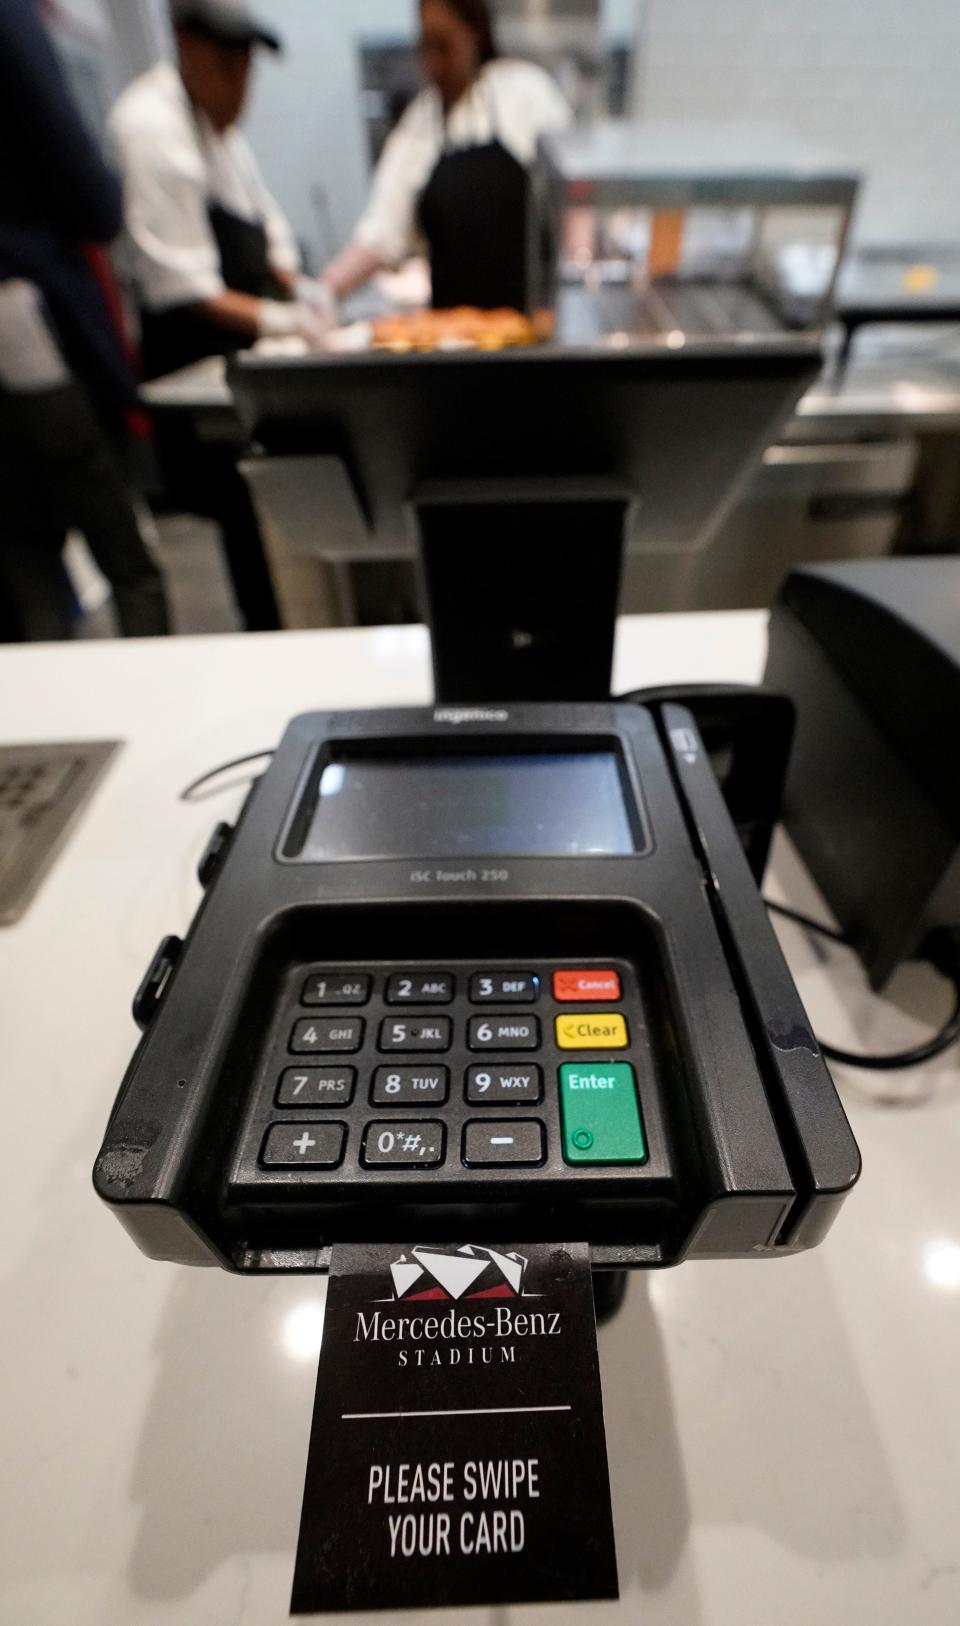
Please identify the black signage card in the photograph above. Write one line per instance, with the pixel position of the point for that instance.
(457, 1454)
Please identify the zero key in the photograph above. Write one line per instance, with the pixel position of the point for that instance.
(409, 1145)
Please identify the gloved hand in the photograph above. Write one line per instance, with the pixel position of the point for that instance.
(280, 321)
(314, 292)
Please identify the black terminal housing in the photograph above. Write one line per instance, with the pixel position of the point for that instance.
(748, 1151)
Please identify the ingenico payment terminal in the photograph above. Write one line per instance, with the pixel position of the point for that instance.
(491, 971)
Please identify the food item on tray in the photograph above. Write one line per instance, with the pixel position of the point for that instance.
(463, 328)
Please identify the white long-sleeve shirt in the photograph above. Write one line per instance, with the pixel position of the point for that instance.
(174, 163)
(513, 102)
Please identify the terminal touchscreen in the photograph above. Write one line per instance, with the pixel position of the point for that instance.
(491, 971)
(547, 803)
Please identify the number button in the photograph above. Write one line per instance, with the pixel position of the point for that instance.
(504, 987)
(409, 1145)
(416, 1033)
(503, 1033)
(336, 988)
(494, 1145)
(420, 988)
(291, 1146)
(488, 1085)
(410, 1086)
(327, 1033)
(316, 1087)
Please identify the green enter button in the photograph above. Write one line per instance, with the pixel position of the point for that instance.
(601, 1114)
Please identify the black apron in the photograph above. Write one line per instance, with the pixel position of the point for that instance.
(176, 338)
(473, 213)
(203, 478)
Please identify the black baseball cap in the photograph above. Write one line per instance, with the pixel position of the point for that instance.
(231, 21)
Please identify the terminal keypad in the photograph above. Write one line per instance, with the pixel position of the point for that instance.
(513, 1078)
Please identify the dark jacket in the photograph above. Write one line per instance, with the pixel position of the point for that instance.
(57, 194)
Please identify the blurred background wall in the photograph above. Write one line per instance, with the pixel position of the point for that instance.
(879, 80)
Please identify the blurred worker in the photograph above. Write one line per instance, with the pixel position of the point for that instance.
(454, 174)
(65, 384)
(214, 261)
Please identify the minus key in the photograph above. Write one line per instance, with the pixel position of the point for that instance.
(492, 1145)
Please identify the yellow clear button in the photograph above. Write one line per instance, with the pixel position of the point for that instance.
(591, 1030)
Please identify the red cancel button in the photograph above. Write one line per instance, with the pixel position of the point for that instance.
(586, 985)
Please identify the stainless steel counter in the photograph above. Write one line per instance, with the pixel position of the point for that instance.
(899, 381)
(654, 163)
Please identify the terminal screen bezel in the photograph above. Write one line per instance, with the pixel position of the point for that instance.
(430, 752)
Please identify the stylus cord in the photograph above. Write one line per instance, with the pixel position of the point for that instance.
(941, 950)
(807, 921)
(188, 795)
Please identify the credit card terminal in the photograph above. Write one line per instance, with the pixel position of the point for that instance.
(496, 970)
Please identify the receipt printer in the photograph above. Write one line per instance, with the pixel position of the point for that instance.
(491, 971)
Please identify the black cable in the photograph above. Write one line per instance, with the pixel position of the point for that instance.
(224, 767)
(941, 950)
(807, 921)
(948, 1035)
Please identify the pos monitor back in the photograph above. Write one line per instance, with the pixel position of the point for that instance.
(521, 475)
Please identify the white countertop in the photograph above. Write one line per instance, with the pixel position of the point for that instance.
(784, 1436)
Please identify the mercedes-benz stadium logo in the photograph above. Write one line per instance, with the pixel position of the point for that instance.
(468, 1272)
